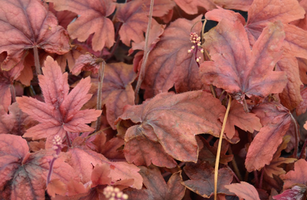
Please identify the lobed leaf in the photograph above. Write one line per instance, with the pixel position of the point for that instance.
(119, 171)
(291, 95)
(61, 111)
(237, 68)
(243, 190)
(156, 188)
(25, 24)
(262, 12)
(276, 120)
(296, 176)
(117, 91)
(25, 174)
(173, 120)
(169, 63)
(202, 179)
(134, 16)
(142, 151)
(277, 160)
(92, 20)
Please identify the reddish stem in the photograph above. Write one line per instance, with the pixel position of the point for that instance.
(68, 139)
(99, 93)
(36, 61)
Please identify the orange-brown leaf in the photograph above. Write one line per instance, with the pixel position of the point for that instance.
(61, 110)
(156, 188)
(243, 190)
(169, 63)
(202, 179)
(134, 16)
(92, 19)
(277, 160)
(173, 120)
(237, 68)
(26, 24)
(142, 151)
(276, 120)
(296, 176)
(238, 117)
(291, 95)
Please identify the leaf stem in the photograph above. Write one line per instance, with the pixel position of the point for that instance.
(68, 139)
(146, 53)
(50, 171)
(36, 61)
(13, 93)
(234, 164)
(218, 154)
(99, 93)
(296, 136)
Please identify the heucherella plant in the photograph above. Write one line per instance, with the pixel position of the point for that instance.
(153, 99)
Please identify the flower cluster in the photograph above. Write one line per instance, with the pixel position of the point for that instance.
(113, 193)
(57, 144)
(195, 40)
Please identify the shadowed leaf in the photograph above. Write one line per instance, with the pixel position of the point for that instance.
(276, 121)
(156, 188)
(202, 179)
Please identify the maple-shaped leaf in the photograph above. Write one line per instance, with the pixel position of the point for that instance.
(26, 24)
(156, 188)
(202, 179)
(16, 122)
(23, 174)
(243, 190)
(61, 111)
(277, 160)
(173, 120)
(238, 117)
(296, 176)
(237, 68)
(134, 16)
(276, 120)
(92, 19)
(170, 62)
(142, 151)
(83, 160)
